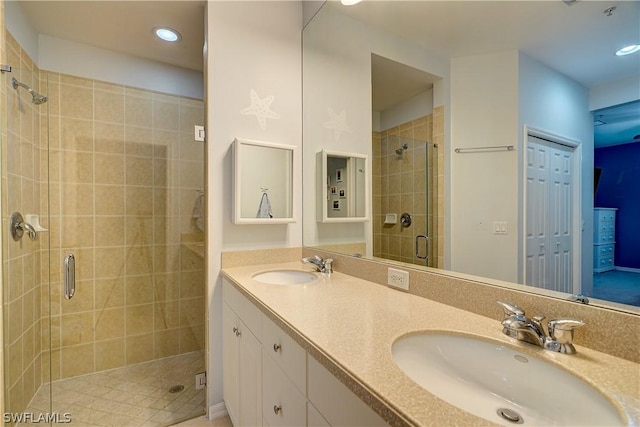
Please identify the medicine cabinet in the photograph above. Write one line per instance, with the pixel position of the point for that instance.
(343, 187)
(263, 182)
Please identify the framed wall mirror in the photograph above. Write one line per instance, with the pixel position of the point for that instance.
(482, 95)
(342, 187)
(263, 182)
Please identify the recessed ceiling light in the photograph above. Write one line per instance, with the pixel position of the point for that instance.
(167, 34)
(350, 2)
(628, 50)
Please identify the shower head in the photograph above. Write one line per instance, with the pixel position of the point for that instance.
(37, 99)
(401, 149)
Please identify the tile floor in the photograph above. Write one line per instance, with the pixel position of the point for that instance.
(136, 395)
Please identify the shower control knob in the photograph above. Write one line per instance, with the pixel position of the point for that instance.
(405, 220)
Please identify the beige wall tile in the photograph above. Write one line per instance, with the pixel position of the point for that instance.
(139, 289)
(109, 231)
(139, 348)
(139, 319)
(109, 293)
(109, 200)
(109, 169)
(167, 315)
(110, 354)
(166, 343)
(76, 328)
(109, 323)
(109, 106)
(112, 262)
(77, 360)
(76, 101)
(137, 111)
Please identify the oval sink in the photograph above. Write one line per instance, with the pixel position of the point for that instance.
(285, 277)
(499, 383)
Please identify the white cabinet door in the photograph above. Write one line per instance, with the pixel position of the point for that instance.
(250, 378)
(242, 373)
(231, 363)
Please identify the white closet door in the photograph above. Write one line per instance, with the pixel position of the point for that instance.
(549, 215)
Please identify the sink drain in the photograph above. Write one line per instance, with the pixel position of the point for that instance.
(510, 415)
(176, 388)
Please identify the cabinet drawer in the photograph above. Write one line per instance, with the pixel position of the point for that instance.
(600, 251)
(286, 353)
(249, 313)
(282, 403)
(314, 418)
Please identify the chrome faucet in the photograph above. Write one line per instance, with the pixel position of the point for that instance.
(517, 325)
(321, 265)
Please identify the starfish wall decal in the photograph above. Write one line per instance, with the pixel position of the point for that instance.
(338, 123)
(261, 108)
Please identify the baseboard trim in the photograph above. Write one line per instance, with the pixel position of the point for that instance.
(628, 269)
(217, 411)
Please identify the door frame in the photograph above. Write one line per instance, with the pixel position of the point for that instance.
(576, 200)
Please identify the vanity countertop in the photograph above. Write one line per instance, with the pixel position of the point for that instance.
(352, 323)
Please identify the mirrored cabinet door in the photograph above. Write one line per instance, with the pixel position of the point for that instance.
(263, 182)
(343, 187)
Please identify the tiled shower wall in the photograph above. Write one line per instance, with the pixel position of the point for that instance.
(406, 183)
(125, 174)
(23, 285)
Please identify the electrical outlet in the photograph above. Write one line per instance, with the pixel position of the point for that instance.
(201, 380)
(398, 278)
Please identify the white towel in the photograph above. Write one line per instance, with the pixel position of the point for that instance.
(198, 212)
(264, 210)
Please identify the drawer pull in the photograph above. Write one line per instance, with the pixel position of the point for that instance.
(276, 347)
(277, 409)
(236, 331)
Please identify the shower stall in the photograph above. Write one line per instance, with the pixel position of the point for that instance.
(405, 185)
(103, 292)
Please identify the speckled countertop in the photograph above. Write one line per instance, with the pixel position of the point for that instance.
(350, 324)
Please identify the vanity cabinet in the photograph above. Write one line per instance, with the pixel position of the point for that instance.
(269, 379)
(604, 236)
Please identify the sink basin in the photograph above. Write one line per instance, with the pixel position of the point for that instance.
(285, 277)
(499, 383)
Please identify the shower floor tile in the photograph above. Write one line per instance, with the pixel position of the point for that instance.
(136, 395)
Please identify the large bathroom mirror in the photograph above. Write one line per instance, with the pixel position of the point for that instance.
(460, 126)
(263, 181)
(342, 185)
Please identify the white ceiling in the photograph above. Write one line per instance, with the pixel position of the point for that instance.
(577, 40)
(125, 26)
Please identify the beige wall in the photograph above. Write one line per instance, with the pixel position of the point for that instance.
(401, 184)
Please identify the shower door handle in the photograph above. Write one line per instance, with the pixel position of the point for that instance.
(69, 276)
(426, 240)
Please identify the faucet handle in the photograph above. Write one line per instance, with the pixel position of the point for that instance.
(328, 265)
(510, 309)
(561, 334)
(561, 330)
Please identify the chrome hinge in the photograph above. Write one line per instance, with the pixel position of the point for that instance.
(5, 68)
